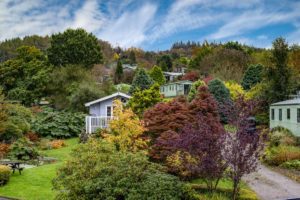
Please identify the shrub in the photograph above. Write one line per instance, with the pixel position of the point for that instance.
(33, 137)
(4, 149)
(278, 155)
(98, 171)
(23, 149)
(282, 136)
(51, 123)
(56, 144)
(4, 174)
(294, 164)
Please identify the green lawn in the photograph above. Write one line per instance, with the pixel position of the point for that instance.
(223, 191)
(35, 183)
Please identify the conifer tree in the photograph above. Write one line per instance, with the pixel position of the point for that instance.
(157, 75)
(141, 80)
(118, 72)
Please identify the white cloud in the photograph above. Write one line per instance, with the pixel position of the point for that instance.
(130, 28)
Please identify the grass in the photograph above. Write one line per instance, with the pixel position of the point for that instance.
(36, 183)
(223, 191)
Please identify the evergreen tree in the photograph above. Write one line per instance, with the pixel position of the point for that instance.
(279, 74)
(165, 62)
(194, 89)
(118, 72)
(157, 75)
(132, 57)
(142, 100)
(141, 80)
(74, 47)
(252, 76)
(222, 96)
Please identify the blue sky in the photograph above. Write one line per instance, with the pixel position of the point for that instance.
(156, 24)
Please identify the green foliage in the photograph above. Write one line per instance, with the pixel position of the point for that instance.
(57, 124)
(8, 48)
(281, 136)
(118, 72)
(165, 62)
(24, 78)
(157, 75)
(123, 88)
(4, 174)
(23, 149)
(194, 89)
(14, 121)
(74, 47)
(141, 81)
(235, 89)
(233, 45)
(278, 155)
(221, 94)
(252, 76)
(294, 164)
(72, 86)
(142, 100)
(279, 74)
(98, 171)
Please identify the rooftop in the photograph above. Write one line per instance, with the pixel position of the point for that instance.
(295, 101)
(107, 97)
(179, 82)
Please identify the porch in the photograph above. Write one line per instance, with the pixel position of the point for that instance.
(92, 123)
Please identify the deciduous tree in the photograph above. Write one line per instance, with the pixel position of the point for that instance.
(126, 130)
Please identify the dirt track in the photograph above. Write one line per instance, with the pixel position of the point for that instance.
(271, 185)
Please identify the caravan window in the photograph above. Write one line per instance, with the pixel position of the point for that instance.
(288, 113)
(298, 115)
(280, 114)
(272, 114)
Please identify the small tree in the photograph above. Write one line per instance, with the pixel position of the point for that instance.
(141, 81)
(126, 129)
(118, 72)
(173, 115)
(132, 57)
(252, 76)
(243, 147)
(235, 89)
(194, 89)
(222, 95)
(157, 75)
(191, 76)
(142, 100)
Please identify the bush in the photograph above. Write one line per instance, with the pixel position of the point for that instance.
(33, 137)
(279, 155)
(56, 144)
(4, 174)
(23, 149)
(282, 136)
(51, 123)
(4, 149)
(98, 171)
(294, 164)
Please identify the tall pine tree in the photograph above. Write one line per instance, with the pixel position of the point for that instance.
(118, 73)
(279, 74)
(157, 75)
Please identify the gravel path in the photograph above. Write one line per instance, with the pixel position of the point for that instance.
(270, 185)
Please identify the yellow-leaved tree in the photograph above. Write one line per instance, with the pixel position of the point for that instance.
(235, 89)
(126, 130)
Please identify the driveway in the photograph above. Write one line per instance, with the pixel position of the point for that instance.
(270, 185)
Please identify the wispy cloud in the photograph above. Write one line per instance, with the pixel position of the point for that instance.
(137, 23)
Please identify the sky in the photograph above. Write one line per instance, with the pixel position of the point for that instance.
(156, 24)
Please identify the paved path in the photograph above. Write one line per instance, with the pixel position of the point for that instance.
(270, 185)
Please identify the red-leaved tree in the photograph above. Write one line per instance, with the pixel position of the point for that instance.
(244, 146)
(191, 76)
